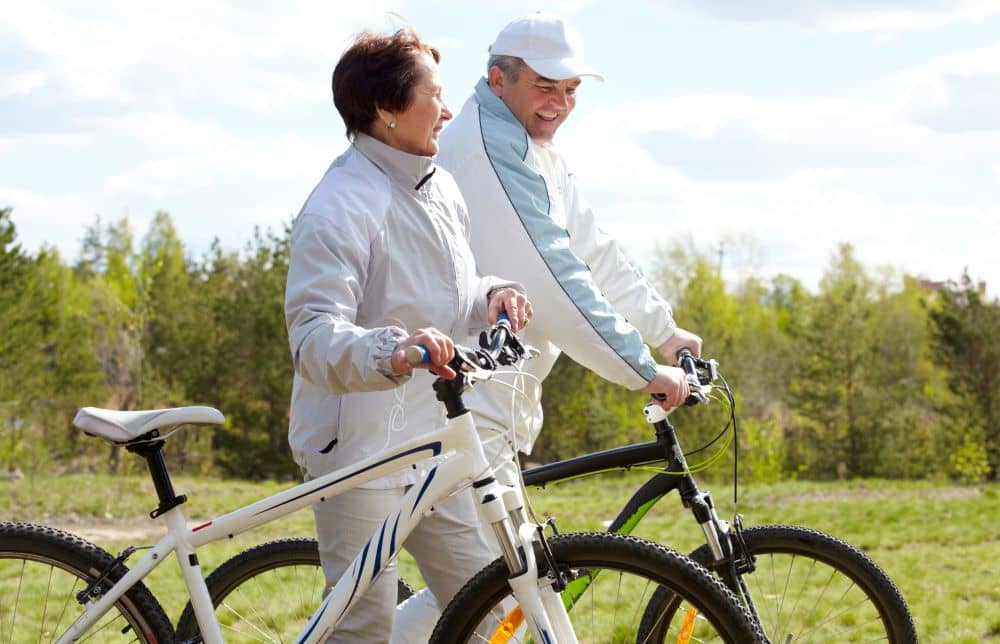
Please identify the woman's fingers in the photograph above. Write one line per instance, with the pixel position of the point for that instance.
(516, 305)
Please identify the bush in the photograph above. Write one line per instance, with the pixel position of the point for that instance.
(969, 464)
(762, 450)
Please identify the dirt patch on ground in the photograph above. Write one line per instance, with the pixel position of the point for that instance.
(100, 531)
(858, 494)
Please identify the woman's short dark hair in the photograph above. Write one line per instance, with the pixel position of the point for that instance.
(377, 71)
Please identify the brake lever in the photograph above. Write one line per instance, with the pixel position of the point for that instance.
(699, 394)
(472, 361)
(512, 352)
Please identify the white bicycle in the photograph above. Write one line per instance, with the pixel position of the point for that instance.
(57, 587)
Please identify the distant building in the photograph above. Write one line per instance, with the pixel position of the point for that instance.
(935, 285)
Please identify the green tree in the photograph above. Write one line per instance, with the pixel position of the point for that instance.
(256, 392)
(905, 384)
(173, 330)
(830, 384)
(965, 329)
(72, 369)
(20, 343)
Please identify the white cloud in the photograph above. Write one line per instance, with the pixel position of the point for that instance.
(138, 54)
(846, 15)
(218, 112)
(37, 215)
(21, 83)
(798, 174)
(183, 107)
(959, 92)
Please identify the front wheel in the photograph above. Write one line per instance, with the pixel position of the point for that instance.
(809, 587)
(611, 579)
(42, 571)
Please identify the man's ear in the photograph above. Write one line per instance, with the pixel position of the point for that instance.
(496, 80)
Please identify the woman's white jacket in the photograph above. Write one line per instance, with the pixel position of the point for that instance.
(379, 250)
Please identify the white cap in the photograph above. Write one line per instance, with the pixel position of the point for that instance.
(547, 43)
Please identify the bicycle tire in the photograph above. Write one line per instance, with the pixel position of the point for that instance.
(269, 589)
(42, 570)
(809, 586)
(612, 562)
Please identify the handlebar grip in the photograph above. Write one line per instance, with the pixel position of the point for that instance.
(503, 318)
(686, 361)
(417, 354)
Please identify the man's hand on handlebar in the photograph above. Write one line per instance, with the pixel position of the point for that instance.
(681, 339)
(440, 348)
(516, 305)
(670, 382)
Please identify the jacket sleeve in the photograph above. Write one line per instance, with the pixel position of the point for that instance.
(515, 236)
(618, 278)
(326, 278)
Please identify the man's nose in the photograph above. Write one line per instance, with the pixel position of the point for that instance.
(560, 99)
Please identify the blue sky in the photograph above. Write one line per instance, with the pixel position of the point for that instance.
(779, 126)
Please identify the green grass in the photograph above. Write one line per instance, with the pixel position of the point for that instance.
(939, 543)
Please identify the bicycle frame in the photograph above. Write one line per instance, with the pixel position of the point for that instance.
(461, 454)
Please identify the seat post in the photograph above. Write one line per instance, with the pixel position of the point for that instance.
(151, 448)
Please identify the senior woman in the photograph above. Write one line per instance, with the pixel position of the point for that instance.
(379, 261)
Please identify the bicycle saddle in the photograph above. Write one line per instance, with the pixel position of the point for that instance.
(124, 426)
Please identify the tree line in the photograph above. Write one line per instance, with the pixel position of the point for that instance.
(875, 374)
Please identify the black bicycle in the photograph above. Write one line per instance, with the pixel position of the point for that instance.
(799, 584)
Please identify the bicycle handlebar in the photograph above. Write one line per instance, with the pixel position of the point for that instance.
(498, 346)
(686, 361)
(700, 375)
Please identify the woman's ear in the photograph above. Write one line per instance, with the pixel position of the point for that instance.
(387, 118)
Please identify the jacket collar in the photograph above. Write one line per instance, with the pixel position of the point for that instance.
(493, 103)
(408, 169)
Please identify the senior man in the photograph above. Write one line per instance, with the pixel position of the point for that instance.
(529, 221)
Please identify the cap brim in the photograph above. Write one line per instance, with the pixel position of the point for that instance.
(562, 68)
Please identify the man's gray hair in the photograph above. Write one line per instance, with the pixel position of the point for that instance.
(511, 66)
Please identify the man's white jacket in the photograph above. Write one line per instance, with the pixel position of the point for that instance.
(530, 224)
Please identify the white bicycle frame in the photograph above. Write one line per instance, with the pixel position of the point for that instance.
(462, 464)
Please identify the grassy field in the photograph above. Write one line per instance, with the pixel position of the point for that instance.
(940, 543)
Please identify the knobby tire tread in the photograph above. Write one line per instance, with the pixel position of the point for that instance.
(88, 561)
(838, 554)
(487, 587)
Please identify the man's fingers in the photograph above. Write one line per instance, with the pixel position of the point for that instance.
(445, 372)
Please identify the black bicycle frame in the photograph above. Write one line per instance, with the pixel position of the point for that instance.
(665, 449)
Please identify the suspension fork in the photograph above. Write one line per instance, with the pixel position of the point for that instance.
(700, 503)
(730, 559)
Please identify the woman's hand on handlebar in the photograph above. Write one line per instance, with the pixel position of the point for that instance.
(681, 339)
(440, 348)
(516, 305)
(670, 382)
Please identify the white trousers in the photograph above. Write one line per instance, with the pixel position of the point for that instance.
(446, 544)
(416, 617)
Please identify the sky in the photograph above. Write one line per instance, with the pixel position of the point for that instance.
(776, 128)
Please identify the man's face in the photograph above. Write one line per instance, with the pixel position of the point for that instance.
(539, 103)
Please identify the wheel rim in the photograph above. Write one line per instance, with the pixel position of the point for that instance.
(38, 603)
(804, 599)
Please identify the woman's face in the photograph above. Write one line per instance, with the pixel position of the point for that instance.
(418, 126)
